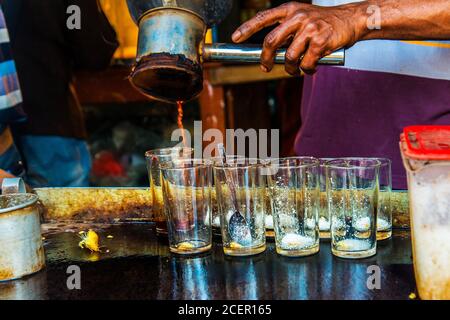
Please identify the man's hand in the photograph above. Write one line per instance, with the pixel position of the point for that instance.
(313, 31)
(4, 174)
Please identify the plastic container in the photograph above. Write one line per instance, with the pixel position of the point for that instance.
(426, 155)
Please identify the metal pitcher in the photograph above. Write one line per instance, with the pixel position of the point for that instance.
(21, 249)
(171, 48)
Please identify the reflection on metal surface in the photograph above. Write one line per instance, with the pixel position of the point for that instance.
(192, 281)
(245, 276)
(139, 266)
(128, 240)
(299, 276)
(33, 287)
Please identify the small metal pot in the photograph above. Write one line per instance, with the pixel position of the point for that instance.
(169, 66)
(21, 249)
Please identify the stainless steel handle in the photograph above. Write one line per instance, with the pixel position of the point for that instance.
(245, 53)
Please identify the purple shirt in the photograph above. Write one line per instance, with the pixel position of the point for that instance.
(351, 113)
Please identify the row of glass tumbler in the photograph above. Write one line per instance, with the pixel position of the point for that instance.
(291, 190)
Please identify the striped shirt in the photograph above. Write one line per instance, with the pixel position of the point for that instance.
(10, 95)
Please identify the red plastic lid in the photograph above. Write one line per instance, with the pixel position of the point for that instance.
(427, 142)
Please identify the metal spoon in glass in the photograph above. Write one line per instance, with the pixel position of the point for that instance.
(237, 226)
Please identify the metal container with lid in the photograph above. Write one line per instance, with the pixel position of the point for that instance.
(426, 155)
(21, 249)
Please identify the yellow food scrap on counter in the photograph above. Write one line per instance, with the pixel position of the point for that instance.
(412, 296)
(110, 237)
(89, 240)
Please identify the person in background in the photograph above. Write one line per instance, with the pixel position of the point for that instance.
(386, 84)
(11, 110)
(52, 141)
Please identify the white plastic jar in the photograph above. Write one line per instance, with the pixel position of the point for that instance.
(426, 155)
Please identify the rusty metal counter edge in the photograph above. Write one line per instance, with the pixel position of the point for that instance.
(134, 204)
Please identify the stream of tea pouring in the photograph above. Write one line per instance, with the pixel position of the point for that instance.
(180, 122)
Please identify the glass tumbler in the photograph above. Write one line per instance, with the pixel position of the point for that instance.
(384, 220)
(241, 196)
(324, 215)
(384, 217)
(216, 161)
(186, 186)
(294, 193)
(352, 191)
(154, 159)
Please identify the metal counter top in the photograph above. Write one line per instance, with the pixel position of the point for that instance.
(140, 266)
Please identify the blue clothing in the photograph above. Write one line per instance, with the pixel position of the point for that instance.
(54, 161)
(11, 110)
(11, 162)
(10, 94)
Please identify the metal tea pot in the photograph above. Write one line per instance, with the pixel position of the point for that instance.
(171, 48)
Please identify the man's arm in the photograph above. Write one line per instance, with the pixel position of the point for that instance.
(315, 32)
